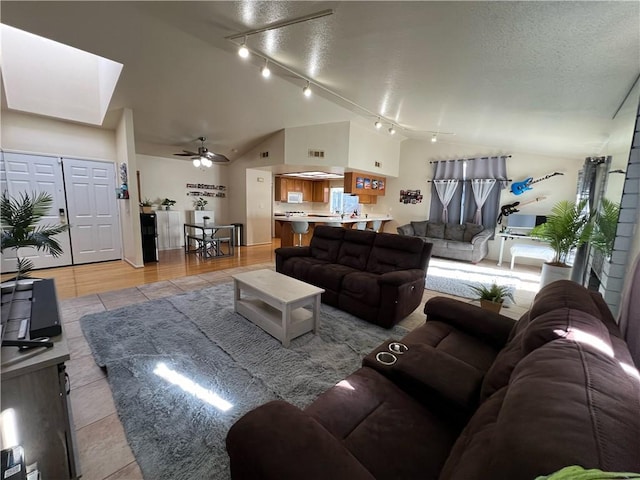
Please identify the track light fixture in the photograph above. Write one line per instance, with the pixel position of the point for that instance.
(243, 51)
(392, 130)
(378, 124)
(266, 73)
(434, 138)
(307, 89)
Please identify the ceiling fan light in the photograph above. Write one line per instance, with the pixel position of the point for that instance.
(307, 90)
(196, 162)
(206, 162)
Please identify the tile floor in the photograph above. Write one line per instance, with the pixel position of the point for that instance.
(103, 450)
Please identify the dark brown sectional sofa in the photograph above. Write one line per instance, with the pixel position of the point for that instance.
(378, 277)
(477, 396)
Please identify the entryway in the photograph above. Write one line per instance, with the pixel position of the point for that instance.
(84, 195)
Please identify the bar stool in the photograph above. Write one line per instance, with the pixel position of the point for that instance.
(300, 228)
(375, 225)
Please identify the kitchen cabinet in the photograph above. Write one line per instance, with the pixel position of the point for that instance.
(360, 183)
(321, 191)
(307, 190)
(169, 229)
(281, 187)
(367, 199)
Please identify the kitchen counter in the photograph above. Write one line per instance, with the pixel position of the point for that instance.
(288, 238)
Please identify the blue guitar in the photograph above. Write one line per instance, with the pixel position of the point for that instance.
(518, 188)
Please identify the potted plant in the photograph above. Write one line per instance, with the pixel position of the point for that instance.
(604, 227)
(200, 203)
(20, 218)
(168, 203)
(491, 298)
(567, 228)
(146, 205)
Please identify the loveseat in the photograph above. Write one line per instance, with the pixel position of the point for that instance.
(476, 396)
(378, 277)
(467, 241)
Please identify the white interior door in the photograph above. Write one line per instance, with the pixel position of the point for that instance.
(24, 173)
(92, 210)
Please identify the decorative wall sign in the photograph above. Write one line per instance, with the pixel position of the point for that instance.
(410, 196)
(203, 193)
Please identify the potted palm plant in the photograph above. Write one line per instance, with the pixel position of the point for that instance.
(604, 227)
(20, 228)
(567, 228)
(492, 297)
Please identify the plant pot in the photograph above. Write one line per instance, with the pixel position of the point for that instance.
(551, 273)
(491, 306)
(147, 209)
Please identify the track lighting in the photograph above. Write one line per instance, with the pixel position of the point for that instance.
(196, 162)
(378, 124)
(392, 131)
(434, 138)
(266, 73)
(307, 89)
(243, 51)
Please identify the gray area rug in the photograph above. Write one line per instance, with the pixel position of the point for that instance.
(456, 278)
(165, 359)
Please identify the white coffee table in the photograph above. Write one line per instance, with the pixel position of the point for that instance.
(275, 303)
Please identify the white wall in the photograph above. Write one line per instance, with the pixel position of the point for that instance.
(332, 138)
(415, 170)
(259, 206)
(366, 147)
(42, 135)
(162, 178)
(129, 210)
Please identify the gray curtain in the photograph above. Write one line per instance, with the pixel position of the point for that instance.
(462, 207)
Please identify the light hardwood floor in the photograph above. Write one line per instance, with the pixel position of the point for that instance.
(103, 449)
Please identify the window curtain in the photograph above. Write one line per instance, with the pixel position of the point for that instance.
(445, 190)
(462, 206)
(481, 189)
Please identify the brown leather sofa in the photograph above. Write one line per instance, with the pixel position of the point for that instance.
(477, 396)
(378, 277)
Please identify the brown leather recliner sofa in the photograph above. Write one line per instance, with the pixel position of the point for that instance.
(378, 277)
(477, 396)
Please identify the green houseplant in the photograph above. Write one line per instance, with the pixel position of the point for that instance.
(567, 228)
(604, 227)
(20, 227)
(168, 203)
(200, 203)
(146, 205)
(492, 297)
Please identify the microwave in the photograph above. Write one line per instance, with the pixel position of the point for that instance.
(294, 197)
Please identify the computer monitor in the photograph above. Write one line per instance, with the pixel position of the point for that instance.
(525, 222)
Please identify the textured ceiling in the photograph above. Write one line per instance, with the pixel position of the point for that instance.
(544, 77)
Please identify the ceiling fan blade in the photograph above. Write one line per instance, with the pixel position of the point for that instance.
(186, 153)
(216, 157)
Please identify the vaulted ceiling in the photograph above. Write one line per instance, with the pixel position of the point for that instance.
(545, 77)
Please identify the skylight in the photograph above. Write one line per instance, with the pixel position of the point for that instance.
(314, 175)
(49, 78)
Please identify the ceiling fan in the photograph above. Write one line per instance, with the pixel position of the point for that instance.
(203, 156)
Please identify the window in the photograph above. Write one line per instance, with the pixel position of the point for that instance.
(335, 199)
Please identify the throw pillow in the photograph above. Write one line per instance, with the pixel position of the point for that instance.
(420, 228)
(435, 230)
(453, 231)
(405, 230)
(471, 230)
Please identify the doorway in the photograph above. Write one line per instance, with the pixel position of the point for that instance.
(84, 195)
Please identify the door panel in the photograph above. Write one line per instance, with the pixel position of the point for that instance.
(24, 173)
(93, 212)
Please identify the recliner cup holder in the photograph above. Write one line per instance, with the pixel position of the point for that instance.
(386, 358)
(398, 348)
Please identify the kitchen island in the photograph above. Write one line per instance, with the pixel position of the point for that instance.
(289, 239)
